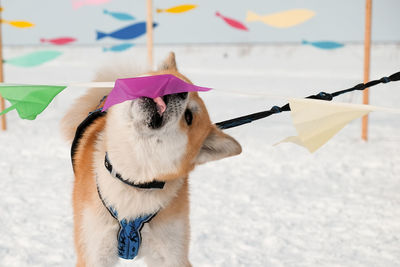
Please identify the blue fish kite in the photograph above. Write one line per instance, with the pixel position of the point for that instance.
(118, 48)
(129, 32)
(324, 44)
(119, 15)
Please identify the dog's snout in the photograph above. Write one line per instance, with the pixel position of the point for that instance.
(160, 111)
(183, 95)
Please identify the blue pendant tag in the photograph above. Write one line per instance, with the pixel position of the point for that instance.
(129, 237)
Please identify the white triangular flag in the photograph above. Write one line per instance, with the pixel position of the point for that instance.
(317, 121)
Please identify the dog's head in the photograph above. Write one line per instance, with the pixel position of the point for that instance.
(165, 144)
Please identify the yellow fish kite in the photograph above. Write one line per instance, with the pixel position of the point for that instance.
(284, 19)
(177, 9)
(18, 24)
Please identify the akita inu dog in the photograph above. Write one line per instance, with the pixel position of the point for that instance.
(131, 168)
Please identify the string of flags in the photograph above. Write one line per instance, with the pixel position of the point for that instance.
(316, 121)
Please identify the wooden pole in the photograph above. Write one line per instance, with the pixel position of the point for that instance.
(149, 33)
(2, 103)
(367, 56)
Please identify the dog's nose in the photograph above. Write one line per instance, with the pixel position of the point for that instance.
(183, 95)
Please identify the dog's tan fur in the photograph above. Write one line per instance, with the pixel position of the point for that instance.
(166, 238)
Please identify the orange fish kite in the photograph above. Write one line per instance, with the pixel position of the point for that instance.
(18, 24)
(177, 9)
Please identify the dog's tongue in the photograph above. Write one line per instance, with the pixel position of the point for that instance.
(161, 106)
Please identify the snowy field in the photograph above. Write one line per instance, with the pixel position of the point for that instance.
(270, 206)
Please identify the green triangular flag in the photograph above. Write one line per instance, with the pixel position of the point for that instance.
(29, 100)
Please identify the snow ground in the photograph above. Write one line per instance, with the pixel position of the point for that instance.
(270, 206)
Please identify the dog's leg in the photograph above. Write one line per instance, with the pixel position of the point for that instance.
(96, 241)
(80, 260)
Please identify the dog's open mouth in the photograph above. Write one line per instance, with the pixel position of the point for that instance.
(159, 109)
(158, 106)
(156, 109)
(161, 105)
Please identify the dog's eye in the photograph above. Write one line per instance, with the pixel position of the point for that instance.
(188, 117)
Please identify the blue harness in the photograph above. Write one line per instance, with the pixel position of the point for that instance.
(129, 237)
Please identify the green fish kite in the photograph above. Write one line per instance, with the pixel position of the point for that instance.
(29, 100)
(33, 59)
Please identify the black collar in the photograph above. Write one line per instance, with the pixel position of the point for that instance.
(149, 185)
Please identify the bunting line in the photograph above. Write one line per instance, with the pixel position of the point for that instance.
(111, 85)
(315, 121)
(73, 84)
(321, 96)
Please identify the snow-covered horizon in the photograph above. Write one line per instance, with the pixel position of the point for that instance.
(271, 205)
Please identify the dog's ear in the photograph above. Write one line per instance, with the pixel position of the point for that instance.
(169, 63)
(218, 145)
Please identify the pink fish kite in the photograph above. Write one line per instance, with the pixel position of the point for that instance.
(79, 3)
(58, 41)
(232, 22)
(150, 86)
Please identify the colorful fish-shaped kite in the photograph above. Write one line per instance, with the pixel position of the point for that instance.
(323, 44)
(177, 9)
(282, 19)
(129, 32)
(58, 41)
(119, 15)
(29, 100)
(80, 3)
(232, 22)
(118, 48)
(34, 59)
(17, 23)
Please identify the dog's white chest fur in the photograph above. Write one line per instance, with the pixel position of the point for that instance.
(100, 228)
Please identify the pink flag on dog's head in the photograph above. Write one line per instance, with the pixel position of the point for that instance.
(149, 86)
